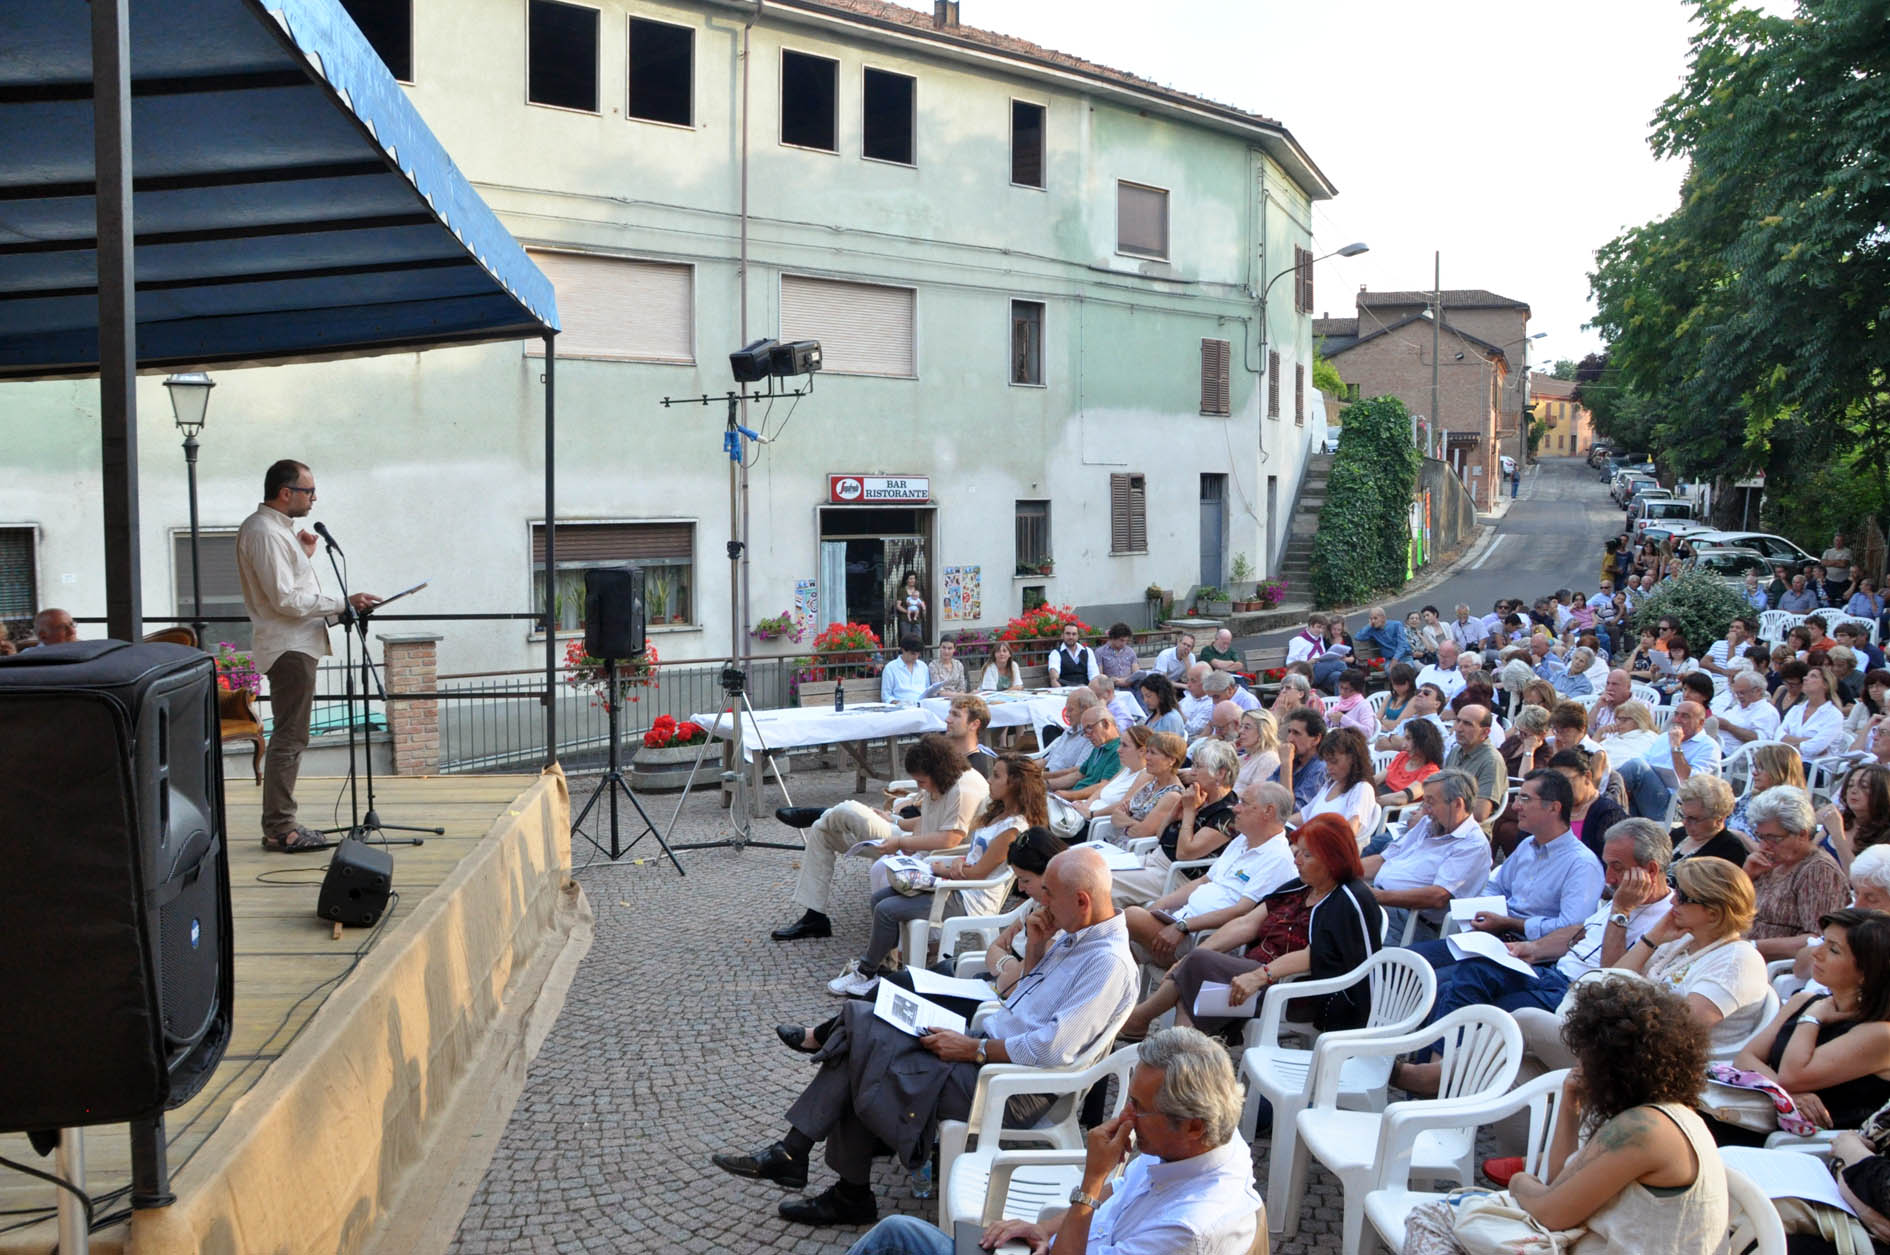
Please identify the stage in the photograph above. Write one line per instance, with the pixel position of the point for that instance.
(347, 1056)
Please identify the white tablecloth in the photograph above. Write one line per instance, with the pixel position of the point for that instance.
(1013, 708)
(822, 725)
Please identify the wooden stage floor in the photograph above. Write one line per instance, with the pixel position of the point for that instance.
(286, 965)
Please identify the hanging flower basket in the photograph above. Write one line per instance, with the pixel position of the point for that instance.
(586, 674)
(236, 670)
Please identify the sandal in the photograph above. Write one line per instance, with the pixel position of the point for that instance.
(297, 840)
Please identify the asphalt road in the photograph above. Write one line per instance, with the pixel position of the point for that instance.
(1551, 538)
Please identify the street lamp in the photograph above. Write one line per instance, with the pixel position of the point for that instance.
(190, 401)
(1350, 250)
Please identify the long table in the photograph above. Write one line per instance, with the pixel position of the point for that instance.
(796, 727)
(1013, 708)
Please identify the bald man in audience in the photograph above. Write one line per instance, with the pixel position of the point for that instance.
(53, 626)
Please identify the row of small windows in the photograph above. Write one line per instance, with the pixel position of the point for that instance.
(562, 43)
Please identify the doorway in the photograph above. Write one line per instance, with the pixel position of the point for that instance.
(865, 556)
(1213, 529)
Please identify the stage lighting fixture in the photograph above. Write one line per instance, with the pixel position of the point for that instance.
(797, 357)
(751, 363)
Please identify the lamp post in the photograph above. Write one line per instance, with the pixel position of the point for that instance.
(1350, 250)
(190, 401)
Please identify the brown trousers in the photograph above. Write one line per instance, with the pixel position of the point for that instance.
(291, 695)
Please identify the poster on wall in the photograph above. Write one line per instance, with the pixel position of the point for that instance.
(807, 605)
(963, 594)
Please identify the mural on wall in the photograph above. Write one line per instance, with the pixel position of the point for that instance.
(963, 593)
(807, 605)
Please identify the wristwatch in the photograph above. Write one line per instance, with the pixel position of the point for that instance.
(1182, 926)
(1080, 1199)
(982, 1043)
(1619, 917)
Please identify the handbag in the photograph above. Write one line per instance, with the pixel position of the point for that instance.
(1750, 1100)
(1491, 1222)
(1065, 820)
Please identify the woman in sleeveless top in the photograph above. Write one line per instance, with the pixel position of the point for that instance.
(1831, 1051)
(1630, 1161)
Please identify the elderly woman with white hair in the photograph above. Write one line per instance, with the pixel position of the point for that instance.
(1575, 681)
(1796, 881)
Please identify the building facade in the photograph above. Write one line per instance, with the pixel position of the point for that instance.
(1035, 280)
(1385, 349)
(1570, 428)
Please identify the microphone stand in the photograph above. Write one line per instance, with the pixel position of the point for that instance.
(357, 621)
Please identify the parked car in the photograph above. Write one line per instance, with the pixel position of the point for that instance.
(1678, 529)
(1648, 509)
(1625, 482)
(1774, 548)
(1730, 564)
(1645, 490)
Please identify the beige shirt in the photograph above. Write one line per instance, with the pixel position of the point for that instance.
(958, 809)
(280, 590)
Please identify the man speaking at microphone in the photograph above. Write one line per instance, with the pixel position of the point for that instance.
(291, 616)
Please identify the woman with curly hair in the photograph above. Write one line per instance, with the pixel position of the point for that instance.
(1630, 1160)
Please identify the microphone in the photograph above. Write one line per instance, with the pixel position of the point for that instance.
(321, 530)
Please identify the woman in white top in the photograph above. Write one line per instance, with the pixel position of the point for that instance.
(1351, 793)
(1629, 1160)
(1697, 949)
(1103, 805)
(1815, 726)
(1017, 801)
(1257, 741)
(1001, 672)
(1632, 731)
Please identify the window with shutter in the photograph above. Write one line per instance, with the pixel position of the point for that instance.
(1027, 138)
(1141, 220)
(1299, 394)
(1273, 383)
(1128, 521)
(619, 308)
(863, 328)
(665, 550)
(1306, 305)
(1215, 356)
(1033, 536)
(19, 575)
(222, 588)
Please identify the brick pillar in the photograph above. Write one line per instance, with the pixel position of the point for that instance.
(412, 665)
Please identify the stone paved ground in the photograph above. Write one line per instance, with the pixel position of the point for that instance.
(665, 1052)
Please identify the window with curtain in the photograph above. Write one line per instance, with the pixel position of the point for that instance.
(1141, 220)
(666, 551)
(222, 589)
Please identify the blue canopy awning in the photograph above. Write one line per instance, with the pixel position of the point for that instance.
(288, 202)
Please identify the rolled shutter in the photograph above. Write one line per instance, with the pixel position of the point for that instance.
(863, 328)
(19, 583)
(616, 307)
(583, 543)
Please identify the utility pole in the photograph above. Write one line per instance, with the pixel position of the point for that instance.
(1437, 319)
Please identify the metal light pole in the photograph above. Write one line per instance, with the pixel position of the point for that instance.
(190, 402)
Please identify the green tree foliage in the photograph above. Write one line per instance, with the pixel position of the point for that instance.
(1326, 377)
(1702, 603)
(1363, 540)
(1564, 368)
(1619, 413)
(1754, 322)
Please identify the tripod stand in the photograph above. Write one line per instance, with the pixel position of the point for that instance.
(613, 782)
(735, 686)
(362, 825)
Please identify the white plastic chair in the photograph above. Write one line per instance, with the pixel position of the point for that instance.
(1832, 618)
(1752, 1219)
(1818, 1143)
(1645, 693)
(1773, 624)
(1736, 767)
(1392, 1200)
(1378, 701)
(964, 1173)
(1056, 1128)
(917, 933)
(1663, 715)
(1586, 701)
(1768, 1008)
(1403, 988)
(1381, 759)
(1483, 1050)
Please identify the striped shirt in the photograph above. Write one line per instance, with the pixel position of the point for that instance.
(1080, 990)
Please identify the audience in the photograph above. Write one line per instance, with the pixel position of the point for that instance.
(1797, 882)
(1594, 813)
(1861, 816)
(1651, 779)
(1703, 805)
(1071, 662)
(899, 1087)
(1352, 710)
(1160, 700)
(1422, 756)
(1172, 663)
(1195, 819)
(53, 626)
(1001, 672)
(1098, 727)
(1116, 656)
(1773, 765)
(1474, 756)
(1349, 792)
(945, 671)
(1257, 741)
(1814, 726)
(1221, 655)
(1300, 763)
(1443, 854)
(906, 678)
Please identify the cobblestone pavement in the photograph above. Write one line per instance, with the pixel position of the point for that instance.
(665, 1053)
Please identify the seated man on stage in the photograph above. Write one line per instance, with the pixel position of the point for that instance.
(877, 1085)
(953, 795)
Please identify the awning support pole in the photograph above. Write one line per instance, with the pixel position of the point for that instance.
(117, 317)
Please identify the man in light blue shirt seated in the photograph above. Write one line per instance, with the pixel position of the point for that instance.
(1388, 635)
(1684, 750)
(1190, 1189)
(1572, 680)
(905, 678)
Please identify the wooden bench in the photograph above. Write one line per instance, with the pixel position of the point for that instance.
(859, 691)
(1035, 677)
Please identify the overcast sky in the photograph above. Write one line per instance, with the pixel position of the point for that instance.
(1509, 134)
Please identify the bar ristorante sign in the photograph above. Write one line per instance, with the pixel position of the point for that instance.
(879, 489)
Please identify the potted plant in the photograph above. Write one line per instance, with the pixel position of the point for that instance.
(1242, 571)
(656, 597)
(774, 627)
(1214, 600)
(845, 649)
(667, 754)
(1034, 634)
(1270, 593)
(1047, 567)
(587, 673)
(236, 670)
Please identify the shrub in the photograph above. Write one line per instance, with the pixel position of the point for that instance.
(1699, 601)
(1363, 542)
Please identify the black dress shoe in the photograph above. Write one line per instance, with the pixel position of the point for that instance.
(771, 1163)
(798, 816)
(829, 1208)
(811, 924)
(794, 1037)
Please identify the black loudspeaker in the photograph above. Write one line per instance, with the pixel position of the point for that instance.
(359, 881)
(613, 612)
(114, 883)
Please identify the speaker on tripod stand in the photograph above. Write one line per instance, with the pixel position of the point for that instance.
(613, 612)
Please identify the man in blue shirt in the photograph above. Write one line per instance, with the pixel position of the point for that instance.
(905, 678)
(1305, 728)
(1387, 635)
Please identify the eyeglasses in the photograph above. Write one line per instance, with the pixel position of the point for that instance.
(310, 490)
(1680, 898)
